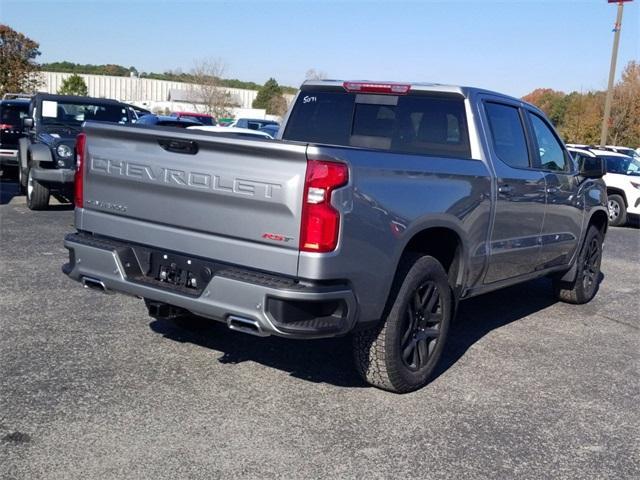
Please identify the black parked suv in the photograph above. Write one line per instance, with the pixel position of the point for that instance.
(46, 153)
(167, 121)
(12, 111)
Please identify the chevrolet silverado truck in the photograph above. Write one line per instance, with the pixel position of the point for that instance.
(377, 209)
(45, 153)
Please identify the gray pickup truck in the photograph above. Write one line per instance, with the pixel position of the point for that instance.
(379, 207)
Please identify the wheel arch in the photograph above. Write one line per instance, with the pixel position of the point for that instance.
(444, 240)
(39, 153)
(600, 220)
(618, 191)
(23, 150)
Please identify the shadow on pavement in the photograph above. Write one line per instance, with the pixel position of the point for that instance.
(318, 361)
(9, 189)
(330, 361)
(480, 315)
(8, 185)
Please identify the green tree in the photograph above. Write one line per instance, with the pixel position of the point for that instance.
(18, 69)
(551, 102)
(73, 85)
(70, 67)
(583, 117)
(266, 95)
(625, 111)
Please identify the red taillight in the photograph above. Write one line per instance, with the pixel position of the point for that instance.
(78, 178)
(320, 221)
(385, 88)
(5, 126)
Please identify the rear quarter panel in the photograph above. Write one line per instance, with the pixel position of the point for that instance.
(389, 199)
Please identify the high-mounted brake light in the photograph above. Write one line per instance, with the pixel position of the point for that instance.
(78, 178)
(320, 221)
(384, 88)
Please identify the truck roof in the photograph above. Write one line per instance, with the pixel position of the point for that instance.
(419, 86)
(15, 101)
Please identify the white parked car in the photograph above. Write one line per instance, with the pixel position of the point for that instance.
(243, 132)
(622, 180)
(623, 150)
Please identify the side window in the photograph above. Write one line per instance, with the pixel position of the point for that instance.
(552, 155)
(507, 134)
(579, 159)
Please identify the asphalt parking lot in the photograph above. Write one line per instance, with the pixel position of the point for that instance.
(91, 387)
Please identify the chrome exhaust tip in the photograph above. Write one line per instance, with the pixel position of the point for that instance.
(95, 284)
(246, 325)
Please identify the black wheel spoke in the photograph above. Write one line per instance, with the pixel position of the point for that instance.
(423, 352)
(426, 298)
(431, 333)
(417, 302)
(433, 301)
(407, 352)
(415, 358)
(434, 319)
(432, 346)
(423, 318)
(408, 332)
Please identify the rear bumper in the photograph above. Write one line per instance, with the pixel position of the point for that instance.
(275, 305)
(8, 156)
(54, 175)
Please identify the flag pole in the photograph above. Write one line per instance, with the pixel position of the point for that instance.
(612, 72)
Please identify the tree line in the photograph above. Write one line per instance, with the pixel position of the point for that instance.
(171, 75)
(578, 115)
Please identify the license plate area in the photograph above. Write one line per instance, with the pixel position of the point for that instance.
(179, 272)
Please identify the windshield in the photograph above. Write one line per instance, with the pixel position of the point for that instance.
(623, 165)
(71, 113)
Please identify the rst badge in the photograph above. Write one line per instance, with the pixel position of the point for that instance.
(276, 237)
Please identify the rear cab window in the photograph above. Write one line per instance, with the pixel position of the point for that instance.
(13, 113)
(427, 124)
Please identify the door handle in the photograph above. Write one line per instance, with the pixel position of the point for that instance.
(505, 189)
(188, 147)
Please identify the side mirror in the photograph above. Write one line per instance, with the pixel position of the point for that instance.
(27, 122)
(592, 167)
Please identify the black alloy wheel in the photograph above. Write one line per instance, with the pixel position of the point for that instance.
(421, 329)
(591, 266)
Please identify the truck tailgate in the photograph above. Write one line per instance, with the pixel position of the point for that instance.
(206, 195)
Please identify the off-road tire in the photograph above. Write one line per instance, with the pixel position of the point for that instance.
(378, 351)
(37, 194)
(585, 286)
(22, 180)
(618, 219)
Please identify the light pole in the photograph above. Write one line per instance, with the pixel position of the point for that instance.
(612, 71)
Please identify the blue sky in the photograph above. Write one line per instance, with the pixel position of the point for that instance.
(510, 46)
